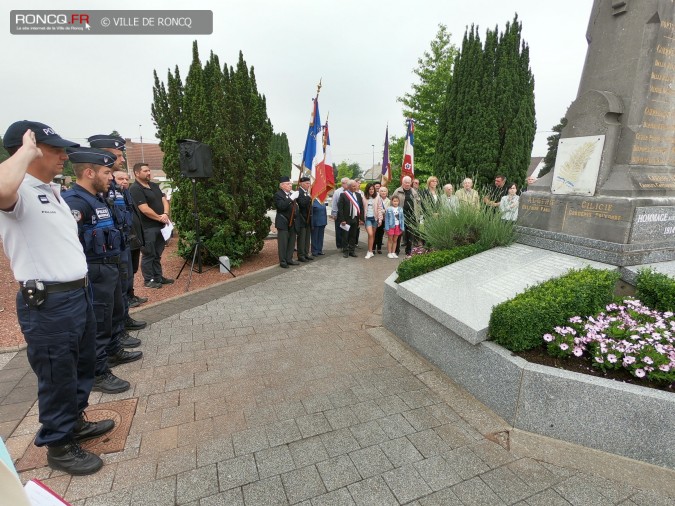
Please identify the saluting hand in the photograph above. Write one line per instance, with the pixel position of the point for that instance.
(29, 147)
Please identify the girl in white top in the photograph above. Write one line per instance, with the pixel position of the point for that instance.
(508, 206)
(371, 217)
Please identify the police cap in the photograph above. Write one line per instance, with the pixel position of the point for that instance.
(284, 179)
(304, 179)
(91, 155)
(43, 134)
(107, 141)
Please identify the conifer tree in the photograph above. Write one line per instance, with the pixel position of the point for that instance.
(221, 107)
(552, 153)
(487, 123)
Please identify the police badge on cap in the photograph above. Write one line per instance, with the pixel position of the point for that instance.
(91, 155)
(106, 141)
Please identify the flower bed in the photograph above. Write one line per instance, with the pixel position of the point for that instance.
(627, 336)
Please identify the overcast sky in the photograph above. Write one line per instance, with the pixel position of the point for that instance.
(364, 50)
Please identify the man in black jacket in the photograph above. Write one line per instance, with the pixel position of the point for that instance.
(303, 222)
(287, 211)
(350, 213)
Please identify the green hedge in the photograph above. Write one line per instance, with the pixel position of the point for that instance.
(519, 324)
(421, 264)
(656, 290)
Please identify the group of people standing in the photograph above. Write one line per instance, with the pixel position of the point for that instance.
(379, 214)
(300, 222)
(72, 254)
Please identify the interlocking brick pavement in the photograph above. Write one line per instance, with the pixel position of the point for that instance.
(283, 388)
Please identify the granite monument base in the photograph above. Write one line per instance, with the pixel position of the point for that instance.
(616, 230)
(624, 419)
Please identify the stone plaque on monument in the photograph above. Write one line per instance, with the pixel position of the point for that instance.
(627, 96)
(577, 165)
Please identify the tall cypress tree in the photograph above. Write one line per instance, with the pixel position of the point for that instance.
(280, 154)
(487, 124)
(221, 107)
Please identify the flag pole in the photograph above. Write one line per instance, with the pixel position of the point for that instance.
(302, 164)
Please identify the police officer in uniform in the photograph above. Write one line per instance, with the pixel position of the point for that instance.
(304, 221)
(123, 217)
(54, 306)
(102, 242)
(287, 211)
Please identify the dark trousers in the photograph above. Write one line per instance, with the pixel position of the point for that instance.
(135, 255)
(352, 235)
(285, 245)
(379, 236)
(106, 287)
(61, 338)
(340, 236)
(126, 277)
(151, 263)
(408, 239)
(304, 234)
(317, 239)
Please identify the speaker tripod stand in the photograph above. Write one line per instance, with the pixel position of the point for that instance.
(198, 246)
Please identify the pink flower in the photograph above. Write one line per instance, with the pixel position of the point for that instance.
(664, 367)
(639, 373)
(548, 338)
(611, 359)
(564, 346)
(578, 351)
(648, 360)
(599, 360)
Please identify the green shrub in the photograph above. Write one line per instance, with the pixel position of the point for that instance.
(519, 324)
(656, 290)
(421, 264)
(444, 228)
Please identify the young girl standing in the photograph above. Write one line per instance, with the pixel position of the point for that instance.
(394, 225)
(371, 217)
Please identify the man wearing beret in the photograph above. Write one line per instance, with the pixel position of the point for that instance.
(303, 222)
(53, 304)
(102, 243)
(287, 211)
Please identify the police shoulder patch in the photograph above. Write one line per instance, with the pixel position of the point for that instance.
(76, 214)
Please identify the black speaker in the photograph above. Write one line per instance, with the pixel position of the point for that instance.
(195, 159)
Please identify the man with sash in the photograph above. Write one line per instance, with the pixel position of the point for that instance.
(350, 216)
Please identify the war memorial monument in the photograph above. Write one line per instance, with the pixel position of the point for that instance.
(609, 203)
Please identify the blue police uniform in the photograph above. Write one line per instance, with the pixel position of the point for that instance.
(54, 308)
(122, 210)
(102, 243)
(124, 220)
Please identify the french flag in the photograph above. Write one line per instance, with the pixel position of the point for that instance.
(408, 167)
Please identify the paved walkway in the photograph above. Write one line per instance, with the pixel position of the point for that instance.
(283, 388)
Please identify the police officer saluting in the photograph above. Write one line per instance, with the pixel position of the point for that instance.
(102, 242)
(53, 304)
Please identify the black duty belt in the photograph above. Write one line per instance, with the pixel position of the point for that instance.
(106, 260)
(64, 287)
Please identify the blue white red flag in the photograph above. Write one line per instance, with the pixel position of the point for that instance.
(313, 153)
(323, 176)
(386, 164)
(408, 166)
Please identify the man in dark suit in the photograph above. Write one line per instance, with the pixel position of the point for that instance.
(350, 212)
(304, 220)
(287, 211)
(319, 222)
